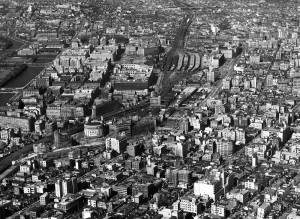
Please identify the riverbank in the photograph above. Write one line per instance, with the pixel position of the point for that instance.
(8, 73)
(15, 45)
(24, 77)
(5, 43)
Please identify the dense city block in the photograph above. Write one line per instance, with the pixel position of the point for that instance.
(149, 109)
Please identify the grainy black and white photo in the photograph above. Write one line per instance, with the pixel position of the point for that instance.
(150, 109)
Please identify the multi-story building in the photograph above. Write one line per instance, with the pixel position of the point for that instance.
(70, 202)
(58, 188)
(226, 84)
(218, 209)
(43, 82)
(282, 132)
(228, 134)
(122, 127)
(225, 147)
(133, 149)
(185, 176)
(118, 143)
(67, 111)
(240, 135)
(94, 129)
(25, 124)
(263, 210)
(29, 189)
(269, 80)
(212, 75)
(7, 134)
(152, 169)
(187, 204)
(254, 184)
(132, 79)
(36, 211)
(26, 168)
(44, 199)
(167, 213)
(123, 189)
(181, 149)
(215, 185)
(146, 189)
(240, 195)
(63, 187)
(134, 164)
(69, 186)
(53, 111)
(208, 188)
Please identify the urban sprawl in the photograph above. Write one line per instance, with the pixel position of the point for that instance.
(150, 109)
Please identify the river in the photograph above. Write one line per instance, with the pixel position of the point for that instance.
(24, 77)
(5, 97)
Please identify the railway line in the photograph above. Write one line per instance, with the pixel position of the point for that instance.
(139, 106)
(171, 59)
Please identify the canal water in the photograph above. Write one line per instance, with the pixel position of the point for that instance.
(5, 97)
(24, 77)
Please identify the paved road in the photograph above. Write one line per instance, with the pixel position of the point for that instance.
(229, 73)
(79, 29)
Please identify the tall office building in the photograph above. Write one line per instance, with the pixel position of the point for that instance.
(118, 143)
(63, 187)
(58, 188)
(69, 186)
(181, 149)
(211, 75)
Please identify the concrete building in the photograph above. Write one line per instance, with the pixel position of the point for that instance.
(118, 143)
(26, 124)
(206, 188)
(217, 184)
(40, 148)
(69, 186)
(168, 213)
(94, 129)
(218, 209)
(58, 188)
(187, 204)
(63, 187)
(263, 210)
(44, 199)
(225, 147)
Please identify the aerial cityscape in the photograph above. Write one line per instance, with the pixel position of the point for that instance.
(150, 109)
